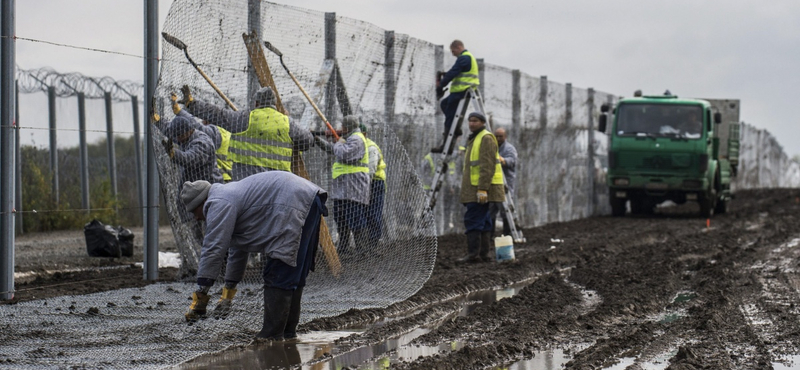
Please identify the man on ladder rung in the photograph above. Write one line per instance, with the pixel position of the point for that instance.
(461, 77)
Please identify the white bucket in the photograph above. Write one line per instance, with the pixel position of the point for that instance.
(504, 248)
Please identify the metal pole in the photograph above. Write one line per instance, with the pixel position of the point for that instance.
(330, 53)
(18, 169)
(592, 201)
(8, 79)
(137, 149)
(112, 155)
(150, 80)
(51, 109)
(438, 56)
(543, 101)
(84, 152)
(481, 77)
(389, 79)
(516, 103)
(568, 105)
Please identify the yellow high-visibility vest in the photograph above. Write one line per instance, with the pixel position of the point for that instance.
(474, 162)
(265, 143)
(224, 163)
(380, 172)
(346, 168)
(468, 79)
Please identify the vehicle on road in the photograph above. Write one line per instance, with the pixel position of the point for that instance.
(663, 147)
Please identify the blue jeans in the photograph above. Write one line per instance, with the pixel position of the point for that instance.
(478, 217)
(449, 106)
(280, 275)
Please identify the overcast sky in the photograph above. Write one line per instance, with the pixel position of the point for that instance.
(736, 49)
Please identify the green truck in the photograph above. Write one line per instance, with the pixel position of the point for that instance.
(668, 148)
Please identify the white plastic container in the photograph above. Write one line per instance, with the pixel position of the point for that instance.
(504, 248)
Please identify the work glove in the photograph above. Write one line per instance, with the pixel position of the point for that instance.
(502, 160)
(187, 96)
(175, 107)
(224, 304)
(341, 140)
(198, 308)
(167, 143)
(483, 197)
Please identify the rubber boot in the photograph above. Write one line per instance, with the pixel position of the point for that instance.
(197, 309)
(486, 246)
(276, 313)
(473, 247)
(344, 239)
(294, 315)
(225, 303)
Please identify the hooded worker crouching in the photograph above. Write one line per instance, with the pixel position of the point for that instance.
(481, 185)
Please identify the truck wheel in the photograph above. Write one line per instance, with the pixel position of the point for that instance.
(618, 207)
(707, 206)
(722, 206)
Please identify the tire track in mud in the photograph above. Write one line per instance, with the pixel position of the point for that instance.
(638, 267)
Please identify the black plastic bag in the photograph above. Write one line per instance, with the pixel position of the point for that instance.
(107, 241)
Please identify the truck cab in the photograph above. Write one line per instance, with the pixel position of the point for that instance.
(668, 148)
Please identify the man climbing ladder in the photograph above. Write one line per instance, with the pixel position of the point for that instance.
(461, 77)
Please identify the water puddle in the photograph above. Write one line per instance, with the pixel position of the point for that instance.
(320, 345)
(790, 362)
(552, 359)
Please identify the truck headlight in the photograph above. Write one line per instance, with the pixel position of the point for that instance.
(622, 181)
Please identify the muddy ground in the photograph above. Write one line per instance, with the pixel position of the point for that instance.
(658, 288)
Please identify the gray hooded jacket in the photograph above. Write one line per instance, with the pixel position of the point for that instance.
(263, 213)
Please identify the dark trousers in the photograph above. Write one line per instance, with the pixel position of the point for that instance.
(449, 106)
(496, 208)
(349, 216)
(477, 217)
(280, 275)
(375, 210)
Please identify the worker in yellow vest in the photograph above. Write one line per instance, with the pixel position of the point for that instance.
(461, 77)
(377, 171)
(350, 184)
(481, 185)
(262, 139)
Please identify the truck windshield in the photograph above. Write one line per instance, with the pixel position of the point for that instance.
(668, 120)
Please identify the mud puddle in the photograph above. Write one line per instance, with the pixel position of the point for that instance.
(318, 350)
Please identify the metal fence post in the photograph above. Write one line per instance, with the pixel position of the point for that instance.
(51, 110)
(330, 53)
(150, 80)
(568, 105)
(543, 102)
(481, 78)
(7, 71)
(112, 155)
(137, 149)
(592, 201)
(18, 164)
(389, 79)
(84, 152)
(516, 103)
(438, 56)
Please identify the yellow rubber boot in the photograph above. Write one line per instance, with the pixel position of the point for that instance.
(224, 304)
(198, 308)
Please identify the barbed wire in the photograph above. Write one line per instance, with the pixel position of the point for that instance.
(70, 84)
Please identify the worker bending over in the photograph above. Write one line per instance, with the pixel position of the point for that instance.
(481, 185)
(462, 76)
(350, 187)
(262, 138)
(274, 213)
